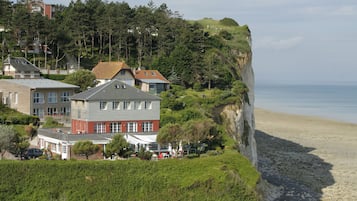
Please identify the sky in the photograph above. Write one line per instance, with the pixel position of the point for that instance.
(294, 41)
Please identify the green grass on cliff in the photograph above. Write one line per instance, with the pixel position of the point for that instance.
(241, 34)
(224, 177)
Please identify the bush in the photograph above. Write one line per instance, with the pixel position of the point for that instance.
(144, 155)
(55, 76)
(228, 22)
(50, 122)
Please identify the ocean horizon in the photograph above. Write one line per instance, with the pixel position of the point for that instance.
(337, 101)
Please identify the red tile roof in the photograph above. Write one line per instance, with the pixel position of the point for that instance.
(149, 74)
(108, 70)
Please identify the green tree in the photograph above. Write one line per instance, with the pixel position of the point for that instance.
(86, 148)
(118, 146)
(7, 134)
(181, 62)
(196, 131)
(241, 90)
(170, 133)
(82, 78)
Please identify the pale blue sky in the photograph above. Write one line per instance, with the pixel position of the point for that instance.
(293, 40)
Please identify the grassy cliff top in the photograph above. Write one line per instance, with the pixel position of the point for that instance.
(241, 34)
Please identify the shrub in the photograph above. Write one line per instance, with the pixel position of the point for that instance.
(50, 122)
(228, 22)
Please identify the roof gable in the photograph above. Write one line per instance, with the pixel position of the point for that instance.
(114, 90)
(150, 75)
(108, 70)
(21, 64)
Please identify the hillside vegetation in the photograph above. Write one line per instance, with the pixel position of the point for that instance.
(223, 177)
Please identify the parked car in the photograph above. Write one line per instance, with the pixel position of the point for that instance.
(33, 153)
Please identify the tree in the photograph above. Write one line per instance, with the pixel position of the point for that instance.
(240, 89)
(170, 133)
(118, 145)
(197, 132)
(7, 134)
(86, 148)
(81, 78)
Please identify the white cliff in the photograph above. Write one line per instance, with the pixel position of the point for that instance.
(239, 119)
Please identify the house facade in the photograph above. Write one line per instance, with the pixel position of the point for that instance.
(20, 68)
(151, 81)
(107, 71)
(39, 97)
(115, 107)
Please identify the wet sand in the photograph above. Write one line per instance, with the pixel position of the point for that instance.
(307, 158)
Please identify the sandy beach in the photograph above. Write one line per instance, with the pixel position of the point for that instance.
(307, 158)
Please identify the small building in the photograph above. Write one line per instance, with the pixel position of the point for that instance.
(20, 68)
(115, 107)
(39, 97)
(151, 81)
(107, 71)
(60, 142)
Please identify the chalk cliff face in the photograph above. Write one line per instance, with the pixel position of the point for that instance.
(239, 119)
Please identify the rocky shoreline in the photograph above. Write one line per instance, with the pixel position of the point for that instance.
(306, 158)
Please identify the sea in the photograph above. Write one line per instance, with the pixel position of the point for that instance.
(330, 101)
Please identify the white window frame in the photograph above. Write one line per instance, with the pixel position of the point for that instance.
(52, 97)
(38, 98)
(99, 127)
(65, 96)
(115, 127)
(147, 126)
(132, 127)
(51, 111)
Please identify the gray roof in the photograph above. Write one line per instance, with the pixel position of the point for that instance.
(154, 81)
(41, 83)
(21, 64)
(114, 90)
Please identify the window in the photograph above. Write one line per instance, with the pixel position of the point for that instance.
(147, 127)
(127, 105)
(65, 111)
(116, 105)
(38, 97)
(102, 105)
(65, 96)
(99, 127)
(147, 105)
(115, 127)
(122, 72)
(52, 111)
(132, 127)
(38, 112)
(52, 97)
(64, 149)
(137, 105)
